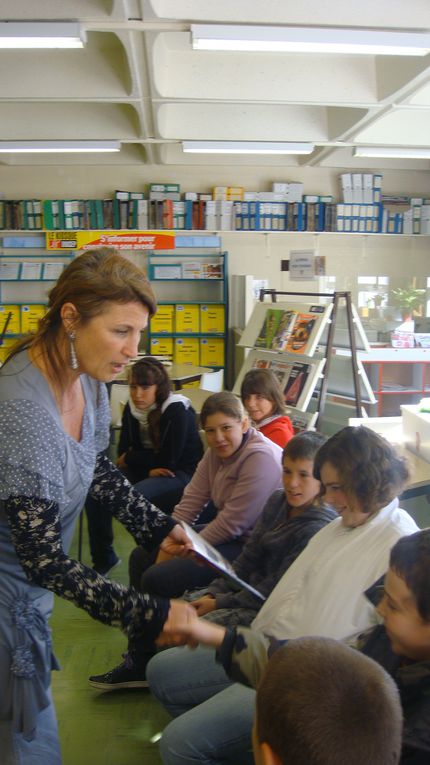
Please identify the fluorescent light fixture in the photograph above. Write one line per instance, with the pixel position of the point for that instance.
(58, 147)
(309, 40)
(392, 151)
(41, 34)
(246, 147)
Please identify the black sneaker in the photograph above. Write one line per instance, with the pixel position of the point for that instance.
(105, 568)
(121, 677)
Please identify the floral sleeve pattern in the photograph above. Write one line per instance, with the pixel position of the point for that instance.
(36, 535)
(144, 521)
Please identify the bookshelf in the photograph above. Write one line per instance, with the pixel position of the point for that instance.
(249, 212)
(189, 276)
(27, 272)
(191, 323)
(397, 377)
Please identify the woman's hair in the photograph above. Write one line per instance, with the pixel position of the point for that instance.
(91, 281)
(224, 402)
(146, 372)
(265, 383)
(410, 559)
(304, 445)
(367, 465)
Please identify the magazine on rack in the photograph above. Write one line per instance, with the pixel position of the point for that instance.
(212, 557)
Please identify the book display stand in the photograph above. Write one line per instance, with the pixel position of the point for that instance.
(297, 342)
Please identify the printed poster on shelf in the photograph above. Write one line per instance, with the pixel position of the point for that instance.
(121, 240)
(299, 337)
(275, 329)
(295, 383)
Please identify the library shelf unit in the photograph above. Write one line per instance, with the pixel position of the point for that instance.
(189, 275)
(397, 376)
(191, 323)
(27, 272)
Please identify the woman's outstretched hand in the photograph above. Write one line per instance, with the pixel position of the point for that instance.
(183, 627)
(178, 625)
(175, 544)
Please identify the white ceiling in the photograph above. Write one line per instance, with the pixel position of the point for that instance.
(139, 81)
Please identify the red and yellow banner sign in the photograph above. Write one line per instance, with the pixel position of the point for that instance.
(121, 240)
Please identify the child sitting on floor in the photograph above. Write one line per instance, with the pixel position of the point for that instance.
(290, 518)
(359, 722)
(401, 644)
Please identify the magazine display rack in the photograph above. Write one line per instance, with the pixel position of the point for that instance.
(297, 342)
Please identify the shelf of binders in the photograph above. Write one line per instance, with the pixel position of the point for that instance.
(190, 326)
(27, 272)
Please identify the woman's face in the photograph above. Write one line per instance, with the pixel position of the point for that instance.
(142, 396)
(106, 343)
(258, 407)
(224, 434)
(346, 504)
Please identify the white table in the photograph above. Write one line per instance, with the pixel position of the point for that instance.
(197, 397)
(180, 373)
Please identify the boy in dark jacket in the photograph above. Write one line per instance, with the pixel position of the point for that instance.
(290, 518)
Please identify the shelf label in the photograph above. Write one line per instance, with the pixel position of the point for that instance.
(121, 240)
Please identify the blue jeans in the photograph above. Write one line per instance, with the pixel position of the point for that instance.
(213, 716)
(164, 491)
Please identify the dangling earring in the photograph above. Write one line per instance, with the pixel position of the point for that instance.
(74, 363)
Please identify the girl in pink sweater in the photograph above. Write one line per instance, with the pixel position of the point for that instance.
(239, 471)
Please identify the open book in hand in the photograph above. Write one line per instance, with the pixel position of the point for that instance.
(210, 555)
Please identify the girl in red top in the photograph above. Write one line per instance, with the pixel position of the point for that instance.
(263, 399)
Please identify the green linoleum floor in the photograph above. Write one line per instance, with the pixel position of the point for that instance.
(99, 728)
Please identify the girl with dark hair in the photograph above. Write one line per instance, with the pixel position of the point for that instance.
(159, 449)
(263, 399)
(159, 442)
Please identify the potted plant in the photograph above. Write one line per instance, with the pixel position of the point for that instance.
(408, 299)
(374, 303)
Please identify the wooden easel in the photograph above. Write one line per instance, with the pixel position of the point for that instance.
(334, 297)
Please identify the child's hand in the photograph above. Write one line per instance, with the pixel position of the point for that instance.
(121, 461)
(204, 605)
(161, 472)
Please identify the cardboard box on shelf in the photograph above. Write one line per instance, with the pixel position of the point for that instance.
(14, 323)
(161, 346)
(212, 318)
(187, 317)
(5, 347)
(402, 339)
(163, 319)
(212, 352)
(30, 317)
(187, 350)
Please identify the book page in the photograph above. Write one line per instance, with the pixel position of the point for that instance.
(211, 556)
